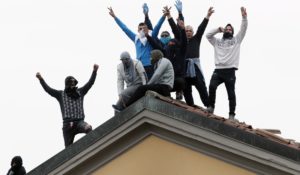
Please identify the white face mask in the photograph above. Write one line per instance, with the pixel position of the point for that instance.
(142, 33)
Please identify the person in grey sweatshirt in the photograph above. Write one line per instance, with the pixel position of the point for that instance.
(161, 82)
(227, 56)
(133, 74)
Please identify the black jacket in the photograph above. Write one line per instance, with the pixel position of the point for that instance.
(175, 53)
(194, 42)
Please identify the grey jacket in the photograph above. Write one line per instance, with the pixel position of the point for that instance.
(139, 80)
(163, 74)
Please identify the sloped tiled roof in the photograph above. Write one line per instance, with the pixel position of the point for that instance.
(191, 116)
(240, 125)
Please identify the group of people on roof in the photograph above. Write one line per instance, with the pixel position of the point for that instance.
(173, 64)
(164, 65)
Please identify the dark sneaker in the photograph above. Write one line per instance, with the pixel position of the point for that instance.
(210, 109)
(179, 96)
(117, 108)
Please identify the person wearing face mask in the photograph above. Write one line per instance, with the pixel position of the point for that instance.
(227, 56)
(71, 104)
(143, 48)
(161, 82)
(16, 166)
(164, 36)
(175, 51)
(133, 74)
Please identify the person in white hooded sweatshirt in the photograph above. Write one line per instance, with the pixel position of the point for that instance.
(227, 56)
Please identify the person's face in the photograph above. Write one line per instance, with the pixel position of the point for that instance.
(164, 35)
(125, 61)
(189, 32)
(228, 29)
(171, 43)
(143, 28)
(72, 83)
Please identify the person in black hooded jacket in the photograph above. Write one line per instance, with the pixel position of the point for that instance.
(71, 105)
(16, 166)
(175, 51)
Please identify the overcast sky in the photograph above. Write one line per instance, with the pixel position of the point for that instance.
(66, 37)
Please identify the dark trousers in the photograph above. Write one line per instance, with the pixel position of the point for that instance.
(149, 71)
(179, 84)
(141, 90)
(70, 129)
(226, 76)
(199, 83)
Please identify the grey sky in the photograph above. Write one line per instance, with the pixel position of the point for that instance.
(66, 37)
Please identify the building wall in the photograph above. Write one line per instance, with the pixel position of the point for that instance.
(155, 156)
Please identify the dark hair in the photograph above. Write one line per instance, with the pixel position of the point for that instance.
(230, 27)
(142, 24)
(165, 32)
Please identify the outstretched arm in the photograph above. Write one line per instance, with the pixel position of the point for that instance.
(127, 31)
(154, 43)
(241, 34)
(178, 5)
(91, 81)
(202, 26)
(172, 23)
(147, 19)
(183, 39)
(158, 26)
(48, 89)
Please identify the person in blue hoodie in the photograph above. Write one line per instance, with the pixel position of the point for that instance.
(142, 46)
(165, 36)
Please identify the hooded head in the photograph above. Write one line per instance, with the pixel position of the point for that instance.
(125, 58)
(70, 87)
(16, 161)
(165, 37)
(228, 32)
(156, 55)
(70, 82)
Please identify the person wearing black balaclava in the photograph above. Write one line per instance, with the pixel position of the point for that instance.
(16, 166)
(71, 105)
(227, 56)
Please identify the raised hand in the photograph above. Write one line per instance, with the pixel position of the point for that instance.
(210, 12)
(221, 29)
(111, 12)
(243, 11)
(145, 9)
(38, 76)
(178, 5)
(166, 11)
(96, 66)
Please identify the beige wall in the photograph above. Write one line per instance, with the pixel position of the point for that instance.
(155, 156)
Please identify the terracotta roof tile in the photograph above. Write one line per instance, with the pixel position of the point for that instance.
(237, 124)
